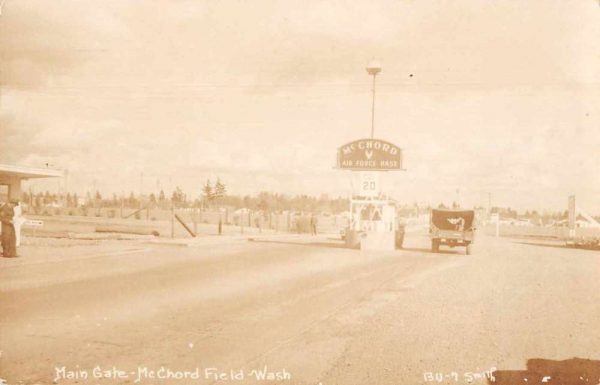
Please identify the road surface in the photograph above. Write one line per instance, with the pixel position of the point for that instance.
(308, 310)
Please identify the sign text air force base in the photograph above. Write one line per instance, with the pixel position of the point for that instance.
(369, 154)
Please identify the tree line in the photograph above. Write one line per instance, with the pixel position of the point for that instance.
(214, 195)
(211, 195)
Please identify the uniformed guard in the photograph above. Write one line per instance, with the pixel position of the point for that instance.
(313, 224)
(9, 241)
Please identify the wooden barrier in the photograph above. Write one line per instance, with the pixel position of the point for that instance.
(184, 225)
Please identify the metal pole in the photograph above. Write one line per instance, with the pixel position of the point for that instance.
(220, 222)
(373, 109)
(572, 218)
(498, 226)
(195, 218)
(172, 220)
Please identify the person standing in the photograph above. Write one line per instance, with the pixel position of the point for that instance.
(9, 242)
(313, 224)
(2, 228)
(18, 220)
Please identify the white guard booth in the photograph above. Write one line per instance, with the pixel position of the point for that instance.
(373, 224)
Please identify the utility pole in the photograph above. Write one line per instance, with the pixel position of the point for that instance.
(373, 68)
(67, 180)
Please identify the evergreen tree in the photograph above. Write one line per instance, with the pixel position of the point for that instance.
(220, 189)
(132, 201)
(177, 197)
(162, 199)
(207, 191)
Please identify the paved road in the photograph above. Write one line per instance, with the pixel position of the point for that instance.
(302, 306)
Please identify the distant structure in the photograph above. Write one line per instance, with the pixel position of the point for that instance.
(575, 211)
(590, 240)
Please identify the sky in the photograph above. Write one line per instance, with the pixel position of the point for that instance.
(486, 98)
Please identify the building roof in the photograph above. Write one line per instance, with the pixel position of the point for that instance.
(25, 172)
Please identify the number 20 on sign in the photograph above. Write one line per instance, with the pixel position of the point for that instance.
(369, 184)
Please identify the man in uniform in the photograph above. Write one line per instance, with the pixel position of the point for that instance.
(313, 224)
(9, 241)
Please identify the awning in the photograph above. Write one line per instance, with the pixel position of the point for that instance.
(24, 172)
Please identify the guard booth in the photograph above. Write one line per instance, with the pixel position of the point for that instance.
(373, 225)
(11, 178)
(373, 222)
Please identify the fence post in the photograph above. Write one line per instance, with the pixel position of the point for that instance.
(242, 221)
(172, 221)
(195, 218)
(220, 222)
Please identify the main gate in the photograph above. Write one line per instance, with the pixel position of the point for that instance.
(373, 222)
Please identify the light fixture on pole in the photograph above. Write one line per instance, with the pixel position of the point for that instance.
(373, 68)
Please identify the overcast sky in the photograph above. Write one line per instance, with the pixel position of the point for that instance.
(483, 96)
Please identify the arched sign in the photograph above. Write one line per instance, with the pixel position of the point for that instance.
(369, 154)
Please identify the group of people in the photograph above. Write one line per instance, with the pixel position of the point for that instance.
(12, 219)
(305, 224)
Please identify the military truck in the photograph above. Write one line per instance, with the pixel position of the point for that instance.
(452, 227)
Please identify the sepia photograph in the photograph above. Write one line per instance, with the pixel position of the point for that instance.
(317, 192)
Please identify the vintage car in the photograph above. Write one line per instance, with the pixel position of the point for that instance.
(452, 228)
